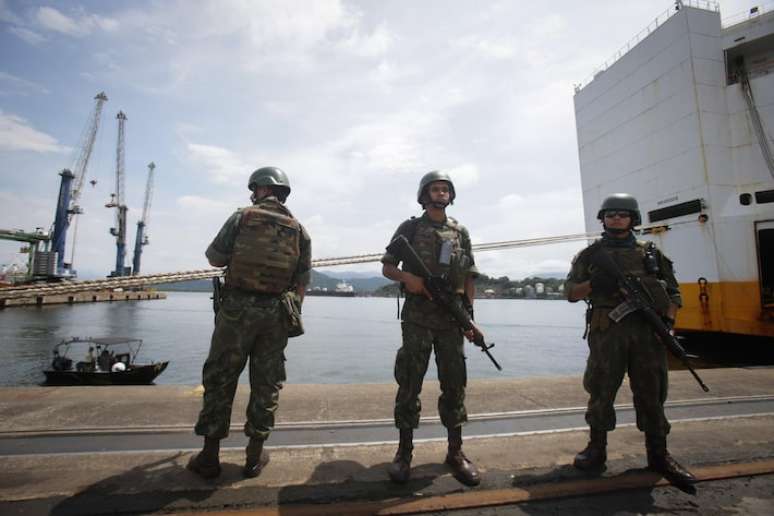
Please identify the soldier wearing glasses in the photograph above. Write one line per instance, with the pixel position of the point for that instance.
(630, 345)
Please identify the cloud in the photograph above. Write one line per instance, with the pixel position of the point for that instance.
(30, 36)
(464, 175)
(54, 20)
(498, 49)
(16, 134)
(221, 164)
(6, 15)
(201, 204)
(374, 44)
(12, 85)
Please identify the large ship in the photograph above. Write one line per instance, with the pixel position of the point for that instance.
(683, 119)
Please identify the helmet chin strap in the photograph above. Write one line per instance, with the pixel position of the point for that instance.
(438, 205)
(616, 231)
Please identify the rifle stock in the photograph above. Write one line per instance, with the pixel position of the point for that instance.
(441, 293)
(640, 301)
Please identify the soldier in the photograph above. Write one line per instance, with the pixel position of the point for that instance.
(426, 326)
(629, 346)
(268, 258)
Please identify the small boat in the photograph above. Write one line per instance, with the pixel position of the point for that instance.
(109, 361)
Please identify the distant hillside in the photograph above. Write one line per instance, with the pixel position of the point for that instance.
(502, 287)
(318, 279)
(199, 285)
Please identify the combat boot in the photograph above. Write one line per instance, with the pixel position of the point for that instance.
(462, 469)
(594, 455)
(400, 469)
(256, 458)
(660, 461)
(206, 463)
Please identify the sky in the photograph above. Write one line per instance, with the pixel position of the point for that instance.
(355, 101)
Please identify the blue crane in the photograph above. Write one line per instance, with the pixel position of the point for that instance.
(117, 201)
(142, 224)
(70, 189)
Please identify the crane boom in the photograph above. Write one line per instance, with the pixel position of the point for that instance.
(148, 193)
(141, 239)
(117, 199)
(87, 146)
(71, 185)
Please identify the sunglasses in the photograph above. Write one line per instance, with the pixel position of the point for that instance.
(622, 214)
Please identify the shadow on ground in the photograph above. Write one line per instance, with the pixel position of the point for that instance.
(145, 488)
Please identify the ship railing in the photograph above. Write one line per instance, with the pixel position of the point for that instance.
(747, 15)
(707, 5)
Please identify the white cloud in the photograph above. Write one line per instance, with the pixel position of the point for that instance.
(54, 20)
(6, 15)
(464, 175)
(194, 203)
(17, 134)
(30, 36)
(549, 26)
(374, 44)
(501, 48)
(10, 84)
(221, 164)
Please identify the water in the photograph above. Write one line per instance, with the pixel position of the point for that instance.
(347, 340)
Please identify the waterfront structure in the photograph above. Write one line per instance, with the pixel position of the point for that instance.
(141, 238)
(683, 120)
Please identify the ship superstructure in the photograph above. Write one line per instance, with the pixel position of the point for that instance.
(684, 121)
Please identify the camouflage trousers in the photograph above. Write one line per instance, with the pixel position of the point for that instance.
(411, 366)
(245, 327)
(627, 347)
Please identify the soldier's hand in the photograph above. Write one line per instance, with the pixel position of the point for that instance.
(470, 335)
(416, 285)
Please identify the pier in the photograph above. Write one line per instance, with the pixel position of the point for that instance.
(86, 450)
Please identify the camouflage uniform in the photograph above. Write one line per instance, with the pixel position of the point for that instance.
(248, 324)
(426, 327)
(629, 346)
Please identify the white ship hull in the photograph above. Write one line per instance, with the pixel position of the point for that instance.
(669, 123)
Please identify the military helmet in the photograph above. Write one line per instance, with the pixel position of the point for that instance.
(432, 177)
(621, 201)
(270, 176)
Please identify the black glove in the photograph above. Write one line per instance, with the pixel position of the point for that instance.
(602, 283)
(668, 322)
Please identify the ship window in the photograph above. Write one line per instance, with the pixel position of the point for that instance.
(766, 259)
(676, 210)
(745, 199)
(764, 196)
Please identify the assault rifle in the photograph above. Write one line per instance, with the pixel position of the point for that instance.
(638, 300)
(441, 292)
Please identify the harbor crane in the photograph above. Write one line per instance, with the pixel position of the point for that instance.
(142, 224)
(117, 201)
(70, 190)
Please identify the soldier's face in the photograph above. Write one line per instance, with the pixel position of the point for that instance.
(618, 219)
(439, 192)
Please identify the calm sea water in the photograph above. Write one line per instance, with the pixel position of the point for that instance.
(347, 340)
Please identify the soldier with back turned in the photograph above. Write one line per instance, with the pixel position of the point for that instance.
(267, 255)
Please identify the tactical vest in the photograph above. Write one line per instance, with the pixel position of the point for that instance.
(631, 260)
(266, 250)
(428, 241)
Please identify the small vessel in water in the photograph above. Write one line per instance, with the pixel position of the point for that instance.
(109, 361)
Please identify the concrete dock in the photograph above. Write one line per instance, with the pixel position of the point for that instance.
(101, 450)
(89, 296)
